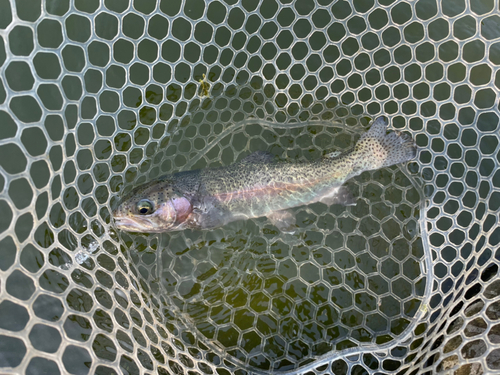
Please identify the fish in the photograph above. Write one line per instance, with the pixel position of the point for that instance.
(257, 186)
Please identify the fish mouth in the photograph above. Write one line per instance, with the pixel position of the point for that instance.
(129, 224)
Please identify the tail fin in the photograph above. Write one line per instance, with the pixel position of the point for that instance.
(376, 149)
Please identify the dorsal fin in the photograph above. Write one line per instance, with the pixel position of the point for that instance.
(258, 157)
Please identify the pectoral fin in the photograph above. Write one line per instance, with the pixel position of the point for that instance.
(284, 220)
(340, 195)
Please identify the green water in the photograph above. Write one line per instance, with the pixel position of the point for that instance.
(348, 277)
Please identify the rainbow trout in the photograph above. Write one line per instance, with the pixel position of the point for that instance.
(257, 186)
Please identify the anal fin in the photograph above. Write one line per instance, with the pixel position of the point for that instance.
(340, 195)
(284, 220)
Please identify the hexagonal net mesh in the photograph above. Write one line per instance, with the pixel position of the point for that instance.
(99, 96)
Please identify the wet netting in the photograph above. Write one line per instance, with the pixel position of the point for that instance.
(97, 97)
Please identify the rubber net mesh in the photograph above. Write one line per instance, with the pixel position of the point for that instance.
(99, 96)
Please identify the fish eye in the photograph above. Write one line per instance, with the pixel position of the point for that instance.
(145, 207)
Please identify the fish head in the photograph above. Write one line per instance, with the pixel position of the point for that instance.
(154, 207)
